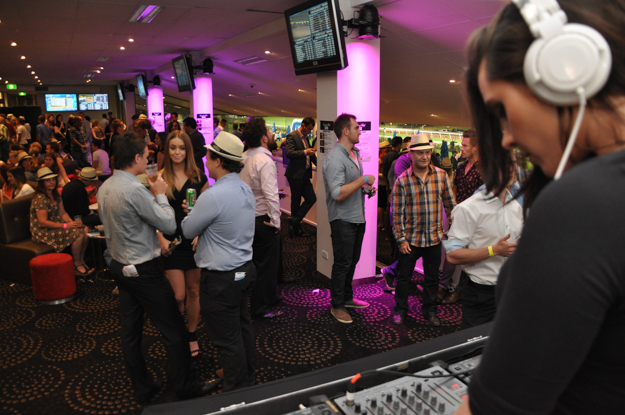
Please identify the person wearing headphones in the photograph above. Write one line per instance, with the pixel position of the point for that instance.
(556, 91)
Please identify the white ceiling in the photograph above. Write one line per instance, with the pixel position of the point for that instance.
(422, 49)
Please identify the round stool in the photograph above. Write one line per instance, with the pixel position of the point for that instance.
(53, 278)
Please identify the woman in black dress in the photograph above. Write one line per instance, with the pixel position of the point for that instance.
(181, 173)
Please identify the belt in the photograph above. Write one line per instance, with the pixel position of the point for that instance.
(481, 287)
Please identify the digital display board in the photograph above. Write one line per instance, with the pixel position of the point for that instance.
(61, 102)
(93, 102)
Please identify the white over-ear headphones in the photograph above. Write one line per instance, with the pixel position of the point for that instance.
(564, 57)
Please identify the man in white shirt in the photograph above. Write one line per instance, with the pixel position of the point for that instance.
(104, 122)
(260, 173)
(23, 136)
(221, 127)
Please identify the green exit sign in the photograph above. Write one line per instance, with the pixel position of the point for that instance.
(22, 94)
(11, 86)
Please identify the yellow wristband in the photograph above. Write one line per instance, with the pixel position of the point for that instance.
(490, 251)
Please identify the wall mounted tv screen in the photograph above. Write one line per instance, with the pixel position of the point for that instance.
(142, 85)
(93, 102)
(61, 102)
(316, 37)
(183, 72)
(120, 91)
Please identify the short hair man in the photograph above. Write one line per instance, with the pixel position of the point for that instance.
(260, 173)
(141, 127)
(299, 172)
(235, 131)
(223, 220)
(131, 215)
(104, 122)
(221, 127)
(189, 125)
(23, 135)
(44, 133)
(76, 197)
(344, 184)
(78, 141)
(418, 195)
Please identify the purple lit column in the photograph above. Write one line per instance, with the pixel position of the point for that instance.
(203, 108)
(156, 109)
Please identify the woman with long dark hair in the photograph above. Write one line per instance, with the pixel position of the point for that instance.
(556, 345)
(17, 179)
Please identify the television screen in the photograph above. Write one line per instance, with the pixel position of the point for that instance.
(120, 91)
(93, 102)
(316, 37)
(142, 85)
(61, 102)
(182, 70)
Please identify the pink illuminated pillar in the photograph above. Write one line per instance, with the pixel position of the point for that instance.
(203, 108)
(156, 109)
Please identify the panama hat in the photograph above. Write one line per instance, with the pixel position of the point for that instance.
(88, 173)
(45, 173)
(22, 156)
(227, 145)
(384, 144)
(420, 142)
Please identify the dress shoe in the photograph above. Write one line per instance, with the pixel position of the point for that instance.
(341, 315)
(207, 386)
(388, 279)
(433, 320)
(272, 314)
(398, 319)
(155, 390)
(453, 297)
(441, 294)
(356, 303)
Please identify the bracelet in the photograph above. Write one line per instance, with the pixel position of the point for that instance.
(366, 179)
(490, 251)
(65, 225)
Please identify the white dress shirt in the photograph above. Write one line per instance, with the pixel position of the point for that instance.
(261, 175)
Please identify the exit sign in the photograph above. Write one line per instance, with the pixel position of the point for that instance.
(11, 86)
(22, 94)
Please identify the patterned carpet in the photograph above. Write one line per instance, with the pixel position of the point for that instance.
(66, 359)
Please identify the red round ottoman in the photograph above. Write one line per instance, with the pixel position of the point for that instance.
(53, 278)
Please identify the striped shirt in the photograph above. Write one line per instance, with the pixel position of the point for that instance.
(417, 212)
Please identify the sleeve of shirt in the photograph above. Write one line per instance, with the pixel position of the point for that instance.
(269, 187)
(449, 200)
(334, 176)
(461, 230)
(157, 213)
(200, 217)
(399, 207)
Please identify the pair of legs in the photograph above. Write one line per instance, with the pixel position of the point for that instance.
(478, 304)
(81, 158)
(79, 247)
(346, 244)
(266, 248)
(186, 286)
(431, 262)
(301, 188)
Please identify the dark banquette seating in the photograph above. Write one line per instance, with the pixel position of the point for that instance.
(16, 246)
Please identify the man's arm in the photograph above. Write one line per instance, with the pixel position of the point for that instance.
(201, 216)
(399, 206)
(269, 186)
(291, 150)
(465, 256)
(449, 200)
(160, 214)
(335, 178)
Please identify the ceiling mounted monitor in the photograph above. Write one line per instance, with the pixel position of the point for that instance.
(93, 102)
(142, 85)
(183, 71)
(316, 37)
(120, 91)
(61, 102)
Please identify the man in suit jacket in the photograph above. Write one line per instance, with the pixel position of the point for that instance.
(299, 173)
(197, 140)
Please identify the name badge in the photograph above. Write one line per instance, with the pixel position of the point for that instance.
(238, 276)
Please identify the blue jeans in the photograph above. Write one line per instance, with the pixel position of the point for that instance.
(346, 243)
(81, 159)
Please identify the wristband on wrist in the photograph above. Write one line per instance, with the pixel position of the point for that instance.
(366, 179)
(65, 225)
(490, 251)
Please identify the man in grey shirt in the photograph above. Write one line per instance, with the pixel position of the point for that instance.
(345, 184)
(131, 215)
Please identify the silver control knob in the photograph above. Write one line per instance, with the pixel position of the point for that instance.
(411, 399)
(426, 411)
(426, 394)
(381, 410)
(441, 407)
(396, 405)
(419, 404)
(404, 410)
(433, 401)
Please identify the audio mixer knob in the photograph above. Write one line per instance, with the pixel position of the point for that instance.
(404, 410)
(396, 405)
(381, 410)
(441, 407)
(418, 387)
(433, 401)
(374, 402)
(411, 399)
(419, 404)
(426, 394)
(404, 392)
(426, 411)
(357, 408)
(389, 398)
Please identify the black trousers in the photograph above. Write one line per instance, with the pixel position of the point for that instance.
(223, 301)
(346, 244)
(301, 188)
(151, 292)
(478, 304)
(431, 262)
(266, 248)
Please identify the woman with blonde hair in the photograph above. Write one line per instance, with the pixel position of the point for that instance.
(97, 130)
(180, 173)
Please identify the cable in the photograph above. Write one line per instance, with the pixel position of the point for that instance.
(578, 122)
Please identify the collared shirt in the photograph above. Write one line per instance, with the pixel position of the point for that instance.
(224, 219)
(131, 215)
(340, 169)
(467, 183)
(480, 221)
(45, 134)
(417, 204)
(261, 175)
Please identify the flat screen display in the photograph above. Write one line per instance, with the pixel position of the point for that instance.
(142, 85)
(120, 91)
(61, 102)
(182, 71)
(93, 102)
(316, 37)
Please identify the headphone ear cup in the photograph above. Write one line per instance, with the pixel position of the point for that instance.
(578, 57)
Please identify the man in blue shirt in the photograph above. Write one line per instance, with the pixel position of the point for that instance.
(344, 184)
(224, 219)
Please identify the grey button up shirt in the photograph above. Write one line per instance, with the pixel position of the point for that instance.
(340, 169)
(131, 215)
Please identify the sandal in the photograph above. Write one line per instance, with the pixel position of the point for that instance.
(193, 338)
(89, 271)
(80, 273)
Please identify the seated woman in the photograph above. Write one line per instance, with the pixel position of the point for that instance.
(17, 180)
(35, 152)
(7, 188)
(50, 224)
(51, 161)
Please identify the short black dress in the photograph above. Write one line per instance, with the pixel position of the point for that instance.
(182, 257)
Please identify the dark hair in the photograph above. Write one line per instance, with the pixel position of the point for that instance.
(190, 122)
(135, 117)
(41, 188)
(309, 121)
(502, 46)
(21, 121)
(41, 119)
(18, 174)
(116, 124)
(231, 166)
(254, 132)
(55, 147)
(235, 126)
(126, 148)
(97, 143)
(343, 121)
(71, 121)
(143, 124)
(396, 141)
(4, 169)
(242, 126)
(103, 115)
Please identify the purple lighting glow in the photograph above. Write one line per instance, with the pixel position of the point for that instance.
(145, 13)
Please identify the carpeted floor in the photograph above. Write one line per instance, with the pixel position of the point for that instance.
(66, 359)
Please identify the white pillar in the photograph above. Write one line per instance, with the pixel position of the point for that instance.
(203, 108)
(156, 108)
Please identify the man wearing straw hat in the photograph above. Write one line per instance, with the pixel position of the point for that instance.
(418, 195)
(223, 219)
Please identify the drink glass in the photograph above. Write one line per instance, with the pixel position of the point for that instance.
(78, 218)
(152, 171)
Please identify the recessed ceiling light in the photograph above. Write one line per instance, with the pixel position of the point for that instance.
(98, 71)
(131, 40)
(452, 81)
(431, 115)
(88, 80)
(23, 57)
(36, 77)
(6, 82)
(32, 72)
(122, 48)
(300, 90)
(0, 78)
(101, 68)
(13, 44)
(28, 66)
(267, 52)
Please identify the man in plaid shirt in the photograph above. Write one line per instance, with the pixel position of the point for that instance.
(418, 195)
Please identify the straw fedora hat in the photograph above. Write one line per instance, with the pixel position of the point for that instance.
(45, 173)
(420, 142)
(227, 145)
